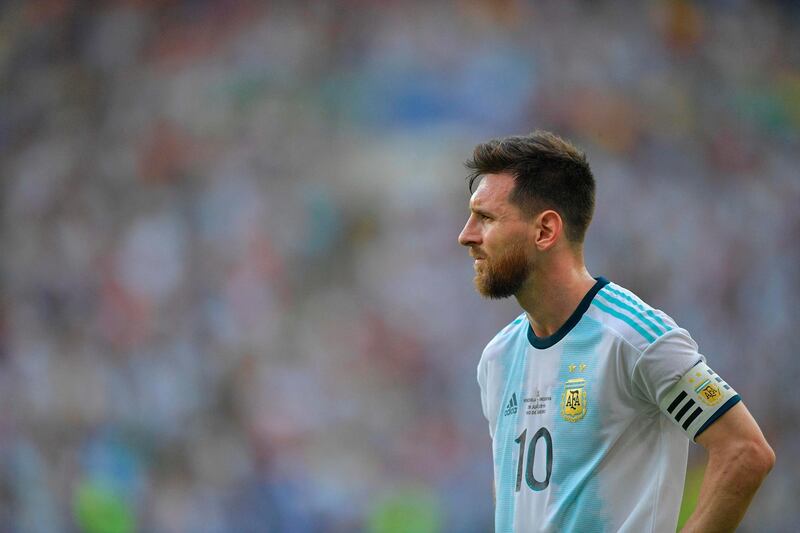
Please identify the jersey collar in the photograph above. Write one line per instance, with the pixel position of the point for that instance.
(546, 342)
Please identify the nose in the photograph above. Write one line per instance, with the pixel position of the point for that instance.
(469, 235)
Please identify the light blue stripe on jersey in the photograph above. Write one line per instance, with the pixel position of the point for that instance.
(578, 447)
(514, 368)
(624, 318)
(636, 314)
(638, 304)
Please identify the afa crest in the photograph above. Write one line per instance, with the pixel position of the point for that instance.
(709, 392)
(573, 400)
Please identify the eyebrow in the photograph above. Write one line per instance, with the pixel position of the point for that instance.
(479, 211)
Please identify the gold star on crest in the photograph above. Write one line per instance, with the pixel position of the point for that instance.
(582, 367)
(571, 368)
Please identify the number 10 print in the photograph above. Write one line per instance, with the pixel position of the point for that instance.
(532, 482)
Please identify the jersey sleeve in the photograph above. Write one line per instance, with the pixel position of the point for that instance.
(673, 375)
(483, 383)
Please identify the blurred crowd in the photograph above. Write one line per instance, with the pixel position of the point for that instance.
(232, 296)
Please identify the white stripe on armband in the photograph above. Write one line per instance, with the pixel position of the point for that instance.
(698, 399)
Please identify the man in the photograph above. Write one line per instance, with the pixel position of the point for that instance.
(591, 394)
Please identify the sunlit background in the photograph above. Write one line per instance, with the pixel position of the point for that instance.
(232, 296)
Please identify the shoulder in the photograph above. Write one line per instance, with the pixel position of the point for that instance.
(506, 336)
(504, 342)
(626, 316)
(654, 352)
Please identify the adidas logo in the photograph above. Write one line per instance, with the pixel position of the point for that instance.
(511, 407)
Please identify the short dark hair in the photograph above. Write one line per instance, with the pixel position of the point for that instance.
(549, 173)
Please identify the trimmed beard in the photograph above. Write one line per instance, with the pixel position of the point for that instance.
(504, 276)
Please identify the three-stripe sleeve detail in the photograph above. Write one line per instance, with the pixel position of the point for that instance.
(638, 304)
(631, 311)
(616, 314)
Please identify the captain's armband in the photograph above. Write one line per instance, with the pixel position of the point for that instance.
(698, 399)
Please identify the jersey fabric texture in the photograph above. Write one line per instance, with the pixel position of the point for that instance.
(580, 439)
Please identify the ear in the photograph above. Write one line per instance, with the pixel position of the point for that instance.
(548, 228)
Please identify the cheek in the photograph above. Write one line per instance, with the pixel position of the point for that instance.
(501, 238)
(516, 245)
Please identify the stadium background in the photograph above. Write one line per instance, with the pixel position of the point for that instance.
(232, 297)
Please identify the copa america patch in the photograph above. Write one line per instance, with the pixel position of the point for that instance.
(698, 399)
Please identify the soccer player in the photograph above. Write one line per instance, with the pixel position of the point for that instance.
(591, 395)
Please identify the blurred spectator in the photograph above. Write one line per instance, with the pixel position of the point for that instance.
(232, 297)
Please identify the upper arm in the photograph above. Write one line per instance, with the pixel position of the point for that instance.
(737, 432)
(672, 374)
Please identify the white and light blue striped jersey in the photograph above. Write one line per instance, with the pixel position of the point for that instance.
(590, 426)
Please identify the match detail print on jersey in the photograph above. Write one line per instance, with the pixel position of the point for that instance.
(698, 399)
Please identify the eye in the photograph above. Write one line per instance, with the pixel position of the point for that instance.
(482, 217)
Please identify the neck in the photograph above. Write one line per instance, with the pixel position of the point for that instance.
(553, 292)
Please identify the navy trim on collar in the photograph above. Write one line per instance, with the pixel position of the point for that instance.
(546, 342)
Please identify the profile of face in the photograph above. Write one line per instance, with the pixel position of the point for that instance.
(499, 237)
